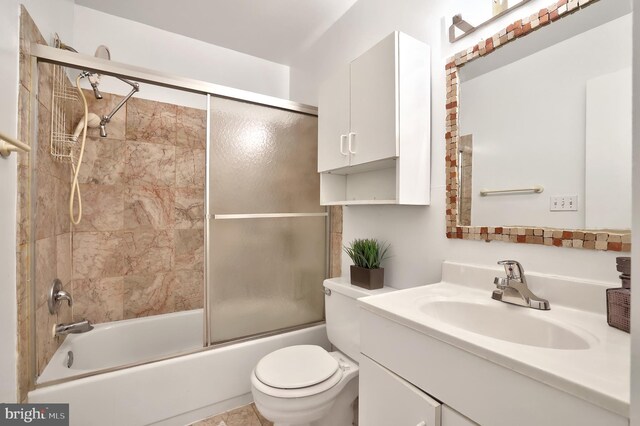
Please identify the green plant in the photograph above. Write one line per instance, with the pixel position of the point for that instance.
(367, 253)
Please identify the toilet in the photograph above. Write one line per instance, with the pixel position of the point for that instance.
(305, 384)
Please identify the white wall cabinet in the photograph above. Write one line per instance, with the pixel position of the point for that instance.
(374, 127)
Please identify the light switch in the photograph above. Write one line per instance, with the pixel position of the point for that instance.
(564, 203)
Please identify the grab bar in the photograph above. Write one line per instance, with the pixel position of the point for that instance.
(9, 145)
(536, 189)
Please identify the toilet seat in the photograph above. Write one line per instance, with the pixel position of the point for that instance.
(296, 367)
(283, 373)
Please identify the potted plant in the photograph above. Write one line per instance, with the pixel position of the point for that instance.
(367, 254)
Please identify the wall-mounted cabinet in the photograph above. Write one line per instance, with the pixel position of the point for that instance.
(374, 127)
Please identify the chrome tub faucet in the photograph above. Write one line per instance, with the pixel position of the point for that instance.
(513, 288)
(73, 328)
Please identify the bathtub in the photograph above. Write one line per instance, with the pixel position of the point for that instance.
(175, 391)
(126, 342)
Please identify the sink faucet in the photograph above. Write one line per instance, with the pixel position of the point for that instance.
(73, 328)
(513, 289)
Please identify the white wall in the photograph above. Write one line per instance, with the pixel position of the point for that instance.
(51, 16)
(417, 234)
(512, 113)
(138, 44)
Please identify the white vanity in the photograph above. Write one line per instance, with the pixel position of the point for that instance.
(447, 354)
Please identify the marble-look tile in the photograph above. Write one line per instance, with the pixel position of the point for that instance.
(263, 420)
(243, 416)
(45, 84)
(190, 167)
(191, 127)
(23, 208)
(46, 343)
(98, 254)
(189, 208)
(149, 294)
(150, 164)
(28, 33)
(219, 420)
(62, 219)
(102, 208)
(23, 114)
(63, 258)
(149, 207)
(148, 251)
(45, 216)
(336, 219)
(46, 268)
(335, 255)
(103, 161)
(151, 121)
(189, 290)
(98, 300)
(189, 248)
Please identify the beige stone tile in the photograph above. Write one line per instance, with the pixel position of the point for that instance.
(46, 343)
(190, 167)
(45, 214)
(23, 114)
(149, 207)
(243, 416)
(99, 254)
(63, 258)
(148, 251)
(150, 164)
(191, 126)
(45, 86)
(189, 248)
(263, 420)
(98, 300)
(151, 121)
(218, 420)
(336, 255)
(103, 162)
(62, 219)
(102, 208)
(149, 294)
(336, 219)
(46, 268)
(189, 208)
(189, 290)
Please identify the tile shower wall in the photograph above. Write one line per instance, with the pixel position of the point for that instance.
(139, 248)
(50, 228)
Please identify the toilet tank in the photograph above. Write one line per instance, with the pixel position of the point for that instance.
(343, 316)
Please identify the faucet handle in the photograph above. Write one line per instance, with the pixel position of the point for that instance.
(56, 296)
(509, 268)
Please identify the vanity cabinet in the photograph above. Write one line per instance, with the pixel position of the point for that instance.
(387, 399)
(374, 127)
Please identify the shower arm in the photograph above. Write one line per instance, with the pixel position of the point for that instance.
(135, 88)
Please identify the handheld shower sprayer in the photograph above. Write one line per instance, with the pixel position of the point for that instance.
(93, 122)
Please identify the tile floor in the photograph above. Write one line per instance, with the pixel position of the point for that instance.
(247, 415)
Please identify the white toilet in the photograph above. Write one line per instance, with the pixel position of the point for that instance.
(305, 384)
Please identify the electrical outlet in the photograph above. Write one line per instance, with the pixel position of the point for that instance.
(564, 203)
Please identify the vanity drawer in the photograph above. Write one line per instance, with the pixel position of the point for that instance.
(386, 399)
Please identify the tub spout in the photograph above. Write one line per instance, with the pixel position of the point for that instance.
(73, 328)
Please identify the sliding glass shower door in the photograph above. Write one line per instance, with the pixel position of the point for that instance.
(267, 231)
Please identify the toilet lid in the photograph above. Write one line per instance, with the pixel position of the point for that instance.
(296, 367)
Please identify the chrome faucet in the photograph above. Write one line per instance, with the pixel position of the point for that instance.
(513, 289)
(73, 328)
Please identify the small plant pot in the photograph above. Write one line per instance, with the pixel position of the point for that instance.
(367, 278)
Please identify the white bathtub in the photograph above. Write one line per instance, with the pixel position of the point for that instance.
(126, 342)
(175, 391)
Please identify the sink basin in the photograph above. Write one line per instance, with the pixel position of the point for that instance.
(504, 322)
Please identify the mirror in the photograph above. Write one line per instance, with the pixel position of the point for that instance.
(539, 137)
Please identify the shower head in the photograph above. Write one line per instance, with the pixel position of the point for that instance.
(93, 122)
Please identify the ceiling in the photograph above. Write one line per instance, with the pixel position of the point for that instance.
(275, 30)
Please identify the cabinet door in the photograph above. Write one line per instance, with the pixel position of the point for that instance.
(450, 417)
(374, 112)
(386, 399)
(333, 121)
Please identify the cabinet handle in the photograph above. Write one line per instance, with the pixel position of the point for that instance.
(350, 145)
(342, 138)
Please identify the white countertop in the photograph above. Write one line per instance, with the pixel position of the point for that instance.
(599, 374)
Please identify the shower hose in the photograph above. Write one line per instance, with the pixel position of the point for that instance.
(75, 186)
